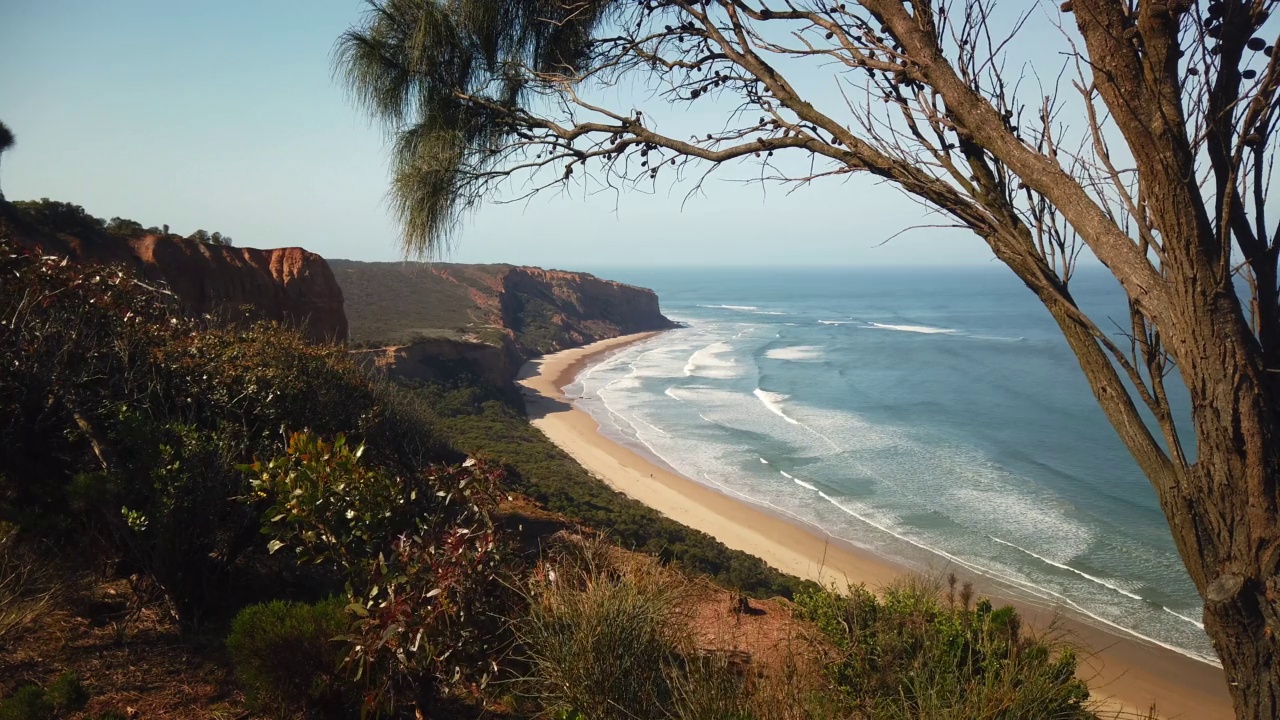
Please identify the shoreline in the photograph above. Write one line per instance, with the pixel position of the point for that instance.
(1124, 672)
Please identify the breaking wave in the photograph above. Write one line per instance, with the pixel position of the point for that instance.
(797, 352)
(924, 329)
(1068, 568)
(773, 401)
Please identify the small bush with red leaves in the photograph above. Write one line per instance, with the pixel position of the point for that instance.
(426, 572)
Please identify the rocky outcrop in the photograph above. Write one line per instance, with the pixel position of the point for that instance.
(551, 310)
(289, 285)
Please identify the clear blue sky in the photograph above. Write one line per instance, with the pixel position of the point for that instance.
(225, 116)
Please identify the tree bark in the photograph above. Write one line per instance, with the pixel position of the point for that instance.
(1231, 544)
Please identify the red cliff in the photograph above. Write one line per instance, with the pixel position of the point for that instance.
(289, 285)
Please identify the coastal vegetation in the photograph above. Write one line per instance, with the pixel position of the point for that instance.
(291, 534)
(1155, 161)
(64, 218)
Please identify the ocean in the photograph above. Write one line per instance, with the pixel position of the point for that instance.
(934, 417)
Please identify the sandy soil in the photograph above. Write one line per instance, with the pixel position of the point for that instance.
(1129, 673)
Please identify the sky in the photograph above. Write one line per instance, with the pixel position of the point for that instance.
(226, 116)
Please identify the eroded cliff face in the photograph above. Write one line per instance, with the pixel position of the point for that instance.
(288, 285)
(551, 310)
(433, 318)
(538, 310)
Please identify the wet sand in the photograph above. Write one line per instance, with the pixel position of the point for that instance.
(1128, 673)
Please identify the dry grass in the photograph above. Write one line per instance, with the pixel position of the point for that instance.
(29, 589)
(614, 635)
(146, 669)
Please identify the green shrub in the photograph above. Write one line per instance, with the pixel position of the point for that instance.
(64, 695)
(287, 657)
(481, 420)
(27, 703)
(67, 694)
(426, 570)
(914, 654)
(122, 422)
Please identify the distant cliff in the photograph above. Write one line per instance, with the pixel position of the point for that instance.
(530, 310)
(418, 320)
(289, 285)
(434, 320)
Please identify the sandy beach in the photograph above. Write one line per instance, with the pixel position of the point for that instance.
(1128, 673)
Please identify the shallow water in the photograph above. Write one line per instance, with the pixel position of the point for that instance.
(935, 417)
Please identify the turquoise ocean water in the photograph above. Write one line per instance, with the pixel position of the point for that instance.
(935, 417)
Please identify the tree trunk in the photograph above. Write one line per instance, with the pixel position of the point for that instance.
(1223, 508)
(1232, 544)
(1240, 614)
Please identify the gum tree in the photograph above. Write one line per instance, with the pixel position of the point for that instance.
(1152, 148)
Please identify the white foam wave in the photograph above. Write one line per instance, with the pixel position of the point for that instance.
(835, 322)
(1063, 566)
(798, 353)
(883, 458)
(925, 329)
(768, 312)
(766, 462)
(800, 482)
(745, 308)
(1193, 621)
(998, 338)
(1034, 589)
(773, 401)
(708, 362)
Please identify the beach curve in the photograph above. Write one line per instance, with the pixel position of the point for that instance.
(1125, 671)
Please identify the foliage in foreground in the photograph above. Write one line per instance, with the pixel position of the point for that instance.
(609, 636)
(424, 568)
(63, 696)
(123, 423)
(287, 657)
(913, 654)
(606, 631)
